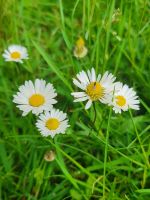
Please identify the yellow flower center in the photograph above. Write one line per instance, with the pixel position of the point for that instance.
(95, 91)
(15, 55)
(52, 123)
(36, 100)
(121, 101)
(80, 43)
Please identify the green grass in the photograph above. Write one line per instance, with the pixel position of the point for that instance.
(110, 163)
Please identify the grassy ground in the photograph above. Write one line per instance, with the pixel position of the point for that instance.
(112, 163)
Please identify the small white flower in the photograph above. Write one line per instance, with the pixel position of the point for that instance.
(36, 97)
(80, 50)
(52, 123)
(100, 88)
(15, 53)
(124, 98)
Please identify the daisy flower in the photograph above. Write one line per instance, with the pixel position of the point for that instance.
(80, 50)
(100, 88)
(52, 123)
(124, 98)
(36, 97)
(15, 53)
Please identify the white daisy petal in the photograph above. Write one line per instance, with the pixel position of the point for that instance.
(81, 99)
(78, 84)
(135, 107)
(89, 75)
(37, 85)
(104, 77)
(93, 75)
(82, 77)
(78, 94)
(98, 78)
(52, 123)
(88, 105)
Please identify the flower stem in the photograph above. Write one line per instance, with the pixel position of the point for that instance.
(95, 113)
(106, 152)
(93, 122)
(139, 139)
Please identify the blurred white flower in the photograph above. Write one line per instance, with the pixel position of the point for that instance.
(15, 53)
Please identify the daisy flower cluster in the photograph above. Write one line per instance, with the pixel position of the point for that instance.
(37, 97)
(105, 90)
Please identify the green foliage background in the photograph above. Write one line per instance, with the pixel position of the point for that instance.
(112, 162)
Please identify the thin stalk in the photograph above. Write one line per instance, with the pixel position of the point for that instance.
(106, 152)
(95, 115)
(139, 139)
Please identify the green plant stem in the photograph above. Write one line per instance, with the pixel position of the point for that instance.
(106, 152)
(95, 115)
(139, 139)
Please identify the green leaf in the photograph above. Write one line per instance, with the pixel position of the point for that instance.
(50, 63)
(143, 191)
